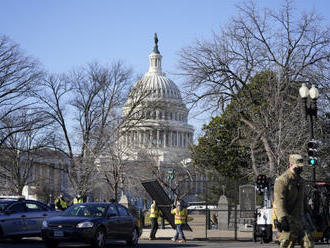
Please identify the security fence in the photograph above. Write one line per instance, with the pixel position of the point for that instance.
(221, 209)
(218, 209)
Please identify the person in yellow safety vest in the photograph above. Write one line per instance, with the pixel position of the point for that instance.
(60, 203)
(154, 214)
(78, 199)
(180, 219)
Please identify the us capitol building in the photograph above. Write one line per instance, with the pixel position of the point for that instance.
(161, 127)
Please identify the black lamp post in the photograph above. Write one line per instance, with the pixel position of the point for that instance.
(310, 110)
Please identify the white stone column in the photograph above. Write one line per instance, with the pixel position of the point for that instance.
(150, 138)
(141, 135)
(136, 137)
(145, 141)
(176, 138)
(165, 132)
(170, 138)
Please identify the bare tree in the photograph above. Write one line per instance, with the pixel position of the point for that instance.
(148, 166)
(85, 105)
(21, 152)
(293, 48)
(19, 74)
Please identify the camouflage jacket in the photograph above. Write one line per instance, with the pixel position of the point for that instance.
(289, 190)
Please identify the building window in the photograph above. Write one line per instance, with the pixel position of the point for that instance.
(171, 116)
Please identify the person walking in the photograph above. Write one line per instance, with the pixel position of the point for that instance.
(154, 214)
(60, 203)
(180, 219)
(289, 193)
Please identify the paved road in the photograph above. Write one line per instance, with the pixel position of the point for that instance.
(37, 243)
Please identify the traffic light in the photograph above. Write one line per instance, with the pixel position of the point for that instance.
(262, 182)
(312, 152)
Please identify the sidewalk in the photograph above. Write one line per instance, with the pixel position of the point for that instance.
(199, 234)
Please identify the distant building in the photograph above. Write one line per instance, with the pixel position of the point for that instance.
(161, 116)
(44, 170)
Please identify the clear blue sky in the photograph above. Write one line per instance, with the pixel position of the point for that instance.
(63, 34)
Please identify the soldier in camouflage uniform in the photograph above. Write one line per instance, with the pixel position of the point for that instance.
(289, 193)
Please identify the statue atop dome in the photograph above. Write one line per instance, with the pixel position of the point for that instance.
(155, 50)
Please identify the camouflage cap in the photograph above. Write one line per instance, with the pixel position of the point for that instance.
(296, 159)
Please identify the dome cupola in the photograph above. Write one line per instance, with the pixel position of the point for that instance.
(155, 60)
(154, 82)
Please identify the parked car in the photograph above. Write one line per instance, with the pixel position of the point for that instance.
(22, 218)
(92, 223)
(201, 207)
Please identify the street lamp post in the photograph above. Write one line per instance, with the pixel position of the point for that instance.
(171, 176)
(310, 110)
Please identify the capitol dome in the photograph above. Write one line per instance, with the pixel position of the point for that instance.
(160, 116)
(159, 86)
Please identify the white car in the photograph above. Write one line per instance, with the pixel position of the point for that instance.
(201, 207)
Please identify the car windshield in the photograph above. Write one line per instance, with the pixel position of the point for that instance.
(86, 211)
(3, 204)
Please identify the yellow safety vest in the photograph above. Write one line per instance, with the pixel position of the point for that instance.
(154, 212)
(180, 217)
(77, 200)
(62, 203)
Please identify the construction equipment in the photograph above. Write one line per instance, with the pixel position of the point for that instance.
(164, 203)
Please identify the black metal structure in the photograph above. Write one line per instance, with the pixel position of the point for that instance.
(157, 193)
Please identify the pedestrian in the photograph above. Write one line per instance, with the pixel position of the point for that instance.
(154, 214)
(289, 193)
(214, 221)
(60, 203)
(78, 199)
(180, 219)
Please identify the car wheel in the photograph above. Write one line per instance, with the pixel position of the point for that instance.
(134, 239)
(51, 243)
(99, 239)
(16, 238)
(1, 234)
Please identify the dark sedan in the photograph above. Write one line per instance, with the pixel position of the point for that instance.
(91, 223)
